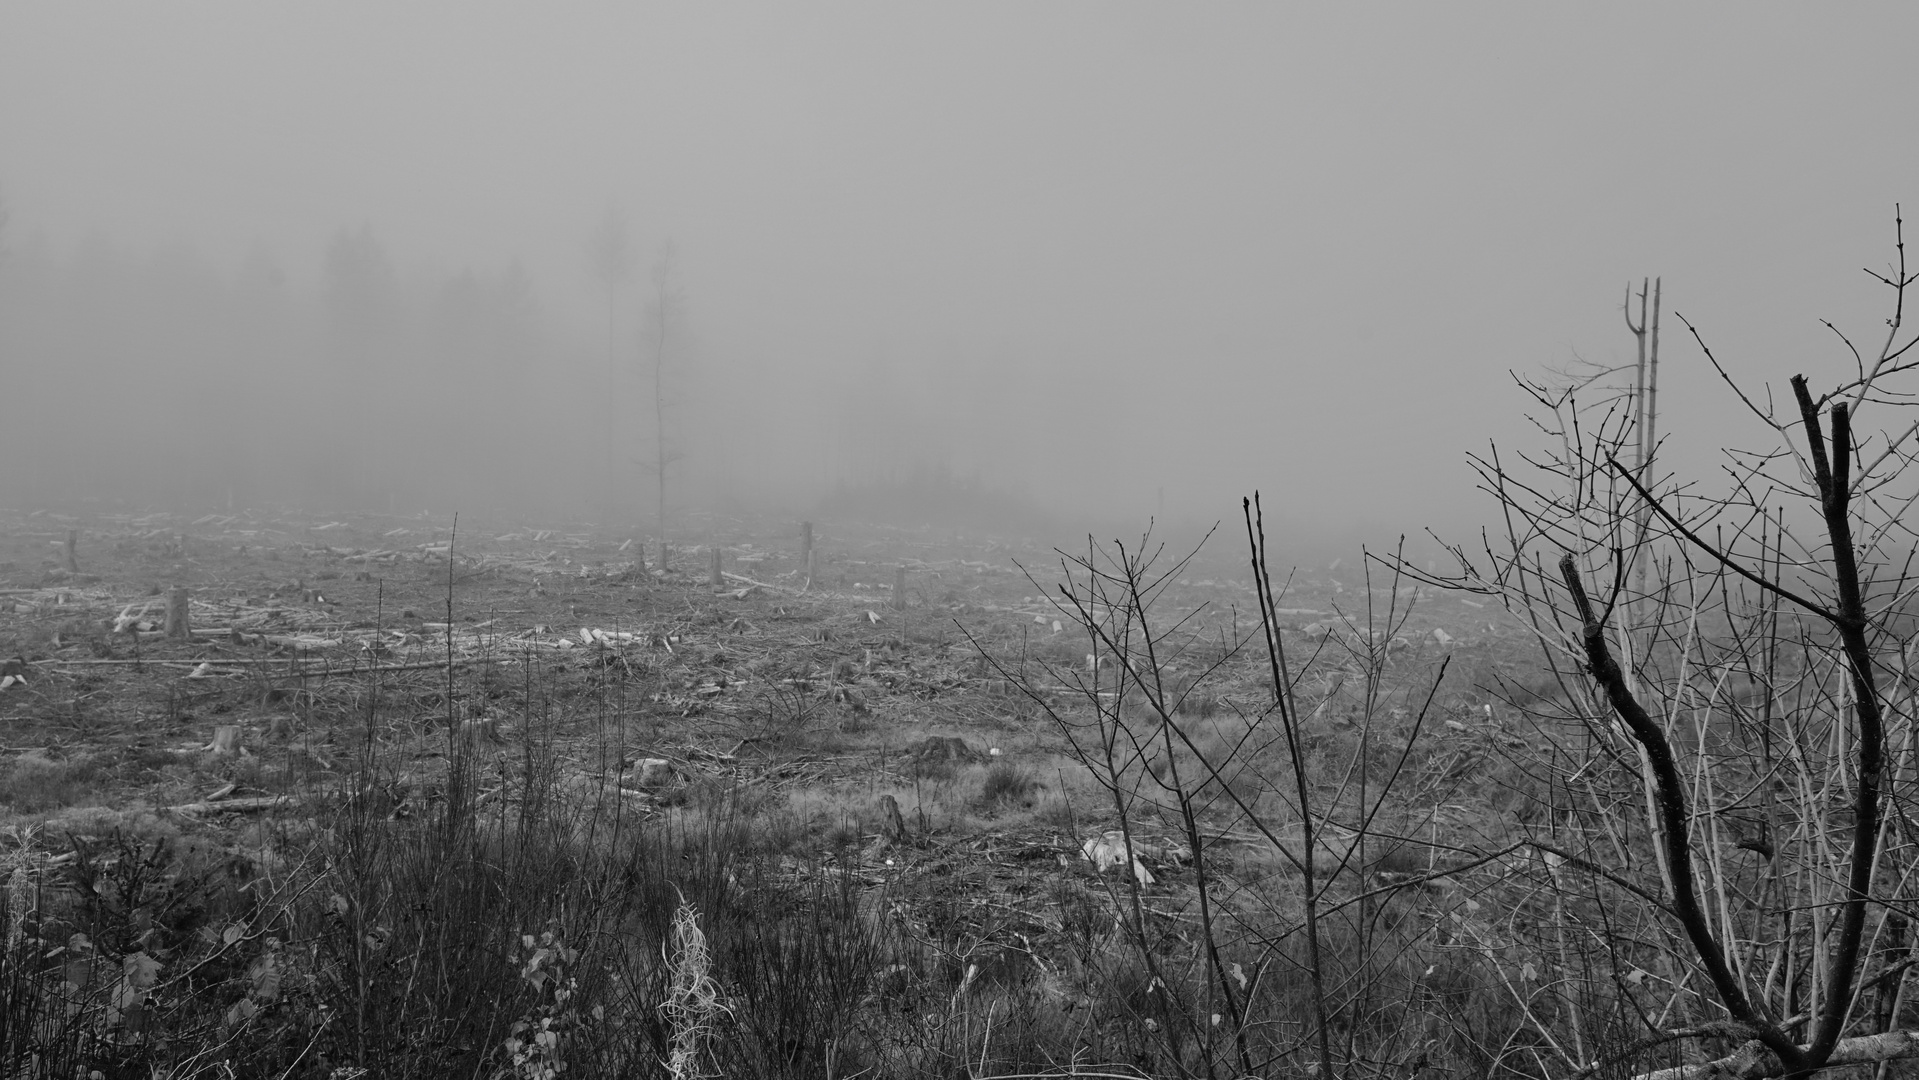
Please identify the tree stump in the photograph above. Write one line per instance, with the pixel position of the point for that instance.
(477, 735)
(73, 556)
(899, 588)
(943, 750)
(178, 627)
(892, 823)
(715, 576)
(226, 739)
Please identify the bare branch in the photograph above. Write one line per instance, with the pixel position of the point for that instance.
(1723, 559)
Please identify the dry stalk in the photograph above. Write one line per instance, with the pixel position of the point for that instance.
(694, 1003)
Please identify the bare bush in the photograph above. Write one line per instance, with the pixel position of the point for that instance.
(1729, 851)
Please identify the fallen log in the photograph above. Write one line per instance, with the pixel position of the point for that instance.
(188, 664)
(236, 806)
(1754, 1062)
(744, 580)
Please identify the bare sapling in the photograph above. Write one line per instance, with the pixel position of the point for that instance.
(1725, 719)
(1178, 777)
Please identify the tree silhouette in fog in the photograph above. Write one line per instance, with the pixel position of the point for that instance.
(362, 302)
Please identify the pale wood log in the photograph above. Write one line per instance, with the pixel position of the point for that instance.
(249, 805)
(1754, 1062)
(744, 580)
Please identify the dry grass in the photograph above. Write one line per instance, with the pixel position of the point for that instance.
(382, 921)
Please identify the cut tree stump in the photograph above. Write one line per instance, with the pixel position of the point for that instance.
(899, 587)
(944, 749)
(73, 557)
(892, 823)
(178, 627)
(476, 735)
(714, 576)
(226, 739)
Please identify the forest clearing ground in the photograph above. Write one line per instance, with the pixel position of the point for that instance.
(322, 644)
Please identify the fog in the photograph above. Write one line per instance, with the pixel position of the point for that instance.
(1112, 261)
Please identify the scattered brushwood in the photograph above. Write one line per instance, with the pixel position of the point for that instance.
(489, 832)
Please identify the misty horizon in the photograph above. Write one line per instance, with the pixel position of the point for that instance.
(1108, 264)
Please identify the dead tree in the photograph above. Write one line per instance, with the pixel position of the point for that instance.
(611, 253)
(666, 306)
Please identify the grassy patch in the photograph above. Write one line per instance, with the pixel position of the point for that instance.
(33, 784)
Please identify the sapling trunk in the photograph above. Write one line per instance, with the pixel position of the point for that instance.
(1288, 717)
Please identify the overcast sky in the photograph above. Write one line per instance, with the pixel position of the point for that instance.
(1193, 248)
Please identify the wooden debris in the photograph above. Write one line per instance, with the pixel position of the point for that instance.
(1109, 850)
(226, 739)
(744, 580)
(236, 806)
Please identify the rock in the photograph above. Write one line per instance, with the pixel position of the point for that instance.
(651, 772)
(1108, 851)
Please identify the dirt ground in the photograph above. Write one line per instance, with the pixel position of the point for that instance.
(315, 640)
